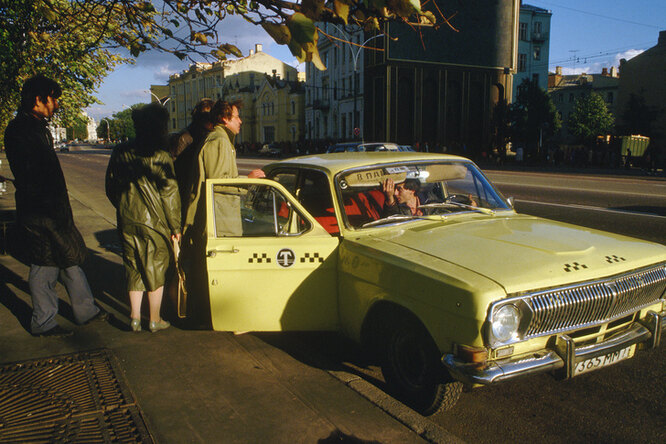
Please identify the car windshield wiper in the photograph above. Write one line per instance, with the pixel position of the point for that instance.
(460, 205)
(401, 218)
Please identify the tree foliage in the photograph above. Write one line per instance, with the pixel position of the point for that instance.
(533, 117)
(73, 41)
(590, 118)
(71, 51)
(190, 27)
(120, 125)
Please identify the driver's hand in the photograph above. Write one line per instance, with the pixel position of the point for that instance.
(472, 201)
(388, 188)
(256, 174)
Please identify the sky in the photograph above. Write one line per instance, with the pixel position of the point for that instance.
(584, 37)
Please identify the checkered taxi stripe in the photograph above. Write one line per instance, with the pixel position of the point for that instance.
(614, 258)
(263, 258)
(574, 267)
(256, 259)
(314, 258)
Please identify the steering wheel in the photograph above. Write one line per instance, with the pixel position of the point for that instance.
(459, 198)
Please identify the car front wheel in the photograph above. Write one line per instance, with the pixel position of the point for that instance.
(413, 371)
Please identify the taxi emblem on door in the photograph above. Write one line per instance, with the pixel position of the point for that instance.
(285, 257)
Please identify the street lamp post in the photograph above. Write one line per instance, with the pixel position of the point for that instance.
(355, 61)
(159, 100)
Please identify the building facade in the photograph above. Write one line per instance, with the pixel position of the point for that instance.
(334, 97)
(239, 79)
(645, 77)
(441, 87)
(564, 90)
(533, 47)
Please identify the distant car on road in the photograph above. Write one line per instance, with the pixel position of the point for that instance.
(61, 146)
(361, 147)
(270, 150)
(455, 290)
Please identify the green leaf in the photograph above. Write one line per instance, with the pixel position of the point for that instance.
(302, 29)
(341, 10)
(279, 33)
(297, 50)
(231, 49)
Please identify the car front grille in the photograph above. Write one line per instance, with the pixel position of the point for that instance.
(569, 308)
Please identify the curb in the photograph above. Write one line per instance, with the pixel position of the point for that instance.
(423, 427)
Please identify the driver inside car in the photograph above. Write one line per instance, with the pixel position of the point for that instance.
(408, 196)
(401, 198)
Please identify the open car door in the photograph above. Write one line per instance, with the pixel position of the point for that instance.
(271, 266)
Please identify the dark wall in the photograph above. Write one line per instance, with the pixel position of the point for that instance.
(446, 94)
(479, 38)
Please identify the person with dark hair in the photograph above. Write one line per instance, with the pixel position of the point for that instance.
(196, 132)
(141, 184)
(55, 247)
(401, 198)
(186, 145)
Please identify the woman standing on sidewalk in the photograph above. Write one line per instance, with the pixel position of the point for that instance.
(141, 184)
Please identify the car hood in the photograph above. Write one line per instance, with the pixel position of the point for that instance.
(523, 253)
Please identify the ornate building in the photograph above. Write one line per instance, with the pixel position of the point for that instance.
(242, 79)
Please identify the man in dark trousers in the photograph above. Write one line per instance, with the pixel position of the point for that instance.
(55, 246)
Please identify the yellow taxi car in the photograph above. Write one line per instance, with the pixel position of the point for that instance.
(458, 290)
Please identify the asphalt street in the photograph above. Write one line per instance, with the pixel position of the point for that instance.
(623, 403)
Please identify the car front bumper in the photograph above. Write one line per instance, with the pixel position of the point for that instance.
(564, 355)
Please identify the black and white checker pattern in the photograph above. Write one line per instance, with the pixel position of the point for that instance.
(256, 259)
(311, 258)
(575, 266)
(614, 258)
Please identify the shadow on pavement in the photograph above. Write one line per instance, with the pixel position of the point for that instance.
(327, 351)
(17, 306)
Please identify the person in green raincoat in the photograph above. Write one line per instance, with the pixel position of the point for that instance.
(141, 184)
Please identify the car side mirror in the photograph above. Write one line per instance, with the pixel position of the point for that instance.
(511, 201)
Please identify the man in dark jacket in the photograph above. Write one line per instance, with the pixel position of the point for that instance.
(55, 246)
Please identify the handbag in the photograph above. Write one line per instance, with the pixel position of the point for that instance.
(180, 288)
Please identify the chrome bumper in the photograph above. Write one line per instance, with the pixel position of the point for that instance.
(564, 355)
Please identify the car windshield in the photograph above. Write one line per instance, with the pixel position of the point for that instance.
(384, 194)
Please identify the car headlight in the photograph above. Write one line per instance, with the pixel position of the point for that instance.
(505, 322)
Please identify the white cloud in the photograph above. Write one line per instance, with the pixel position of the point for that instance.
(630, 54)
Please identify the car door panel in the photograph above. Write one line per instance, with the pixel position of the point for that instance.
(272, 277)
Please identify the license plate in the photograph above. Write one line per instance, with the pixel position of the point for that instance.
(605, 360)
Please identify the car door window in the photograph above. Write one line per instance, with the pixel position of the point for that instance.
(314, 194)
(251, 210)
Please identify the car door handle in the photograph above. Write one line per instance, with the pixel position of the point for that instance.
(213, 253)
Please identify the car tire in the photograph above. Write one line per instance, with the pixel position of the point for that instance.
(413, 372)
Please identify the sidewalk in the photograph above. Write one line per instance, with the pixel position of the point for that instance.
(203, 386)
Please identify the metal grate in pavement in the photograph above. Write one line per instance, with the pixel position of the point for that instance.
(74, 398)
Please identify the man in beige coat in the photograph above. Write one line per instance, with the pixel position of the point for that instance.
(217, 160)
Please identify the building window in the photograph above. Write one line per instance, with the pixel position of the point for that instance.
(571, 97)
(269, 134)
(609, 97)
(535, 79)
(522, 62)
(522, 31)
(560, 98)
(293, 107)
(537, 53)
(537, 27)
